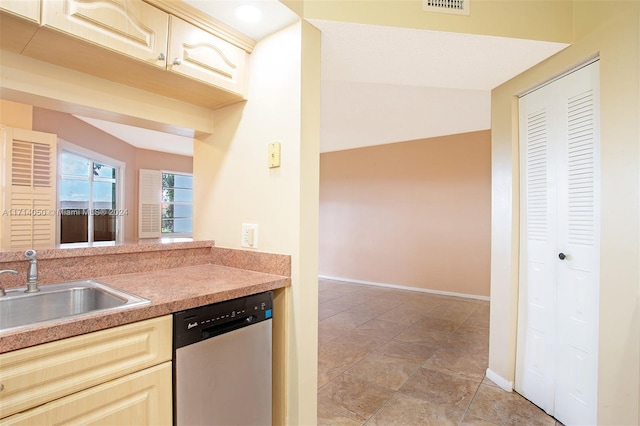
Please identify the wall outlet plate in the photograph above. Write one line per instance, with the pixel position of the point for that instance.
(249, 235)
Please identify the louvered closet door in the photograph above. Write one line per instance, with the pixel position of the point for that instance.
(29, 189)
(559, 280)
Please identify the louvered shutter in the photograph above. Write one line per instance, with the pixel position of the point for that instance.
(150, 198)
(28, 189)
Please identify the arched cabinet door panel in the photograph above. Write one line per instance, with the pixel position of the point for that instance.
(203, 56)
(130, 27)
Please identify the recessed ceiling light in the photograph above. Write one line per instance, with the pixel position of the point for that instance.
(248, 13)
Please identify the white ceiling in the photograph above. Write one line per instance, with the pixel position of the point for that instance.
(385, 84)
(382, 84)
(275, 15)
(411, 57)
(144, 138)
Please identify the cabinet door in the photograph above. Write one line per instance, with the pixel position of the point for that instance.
(33, 376)
(201, 55)
(130, 27)
(142, 398)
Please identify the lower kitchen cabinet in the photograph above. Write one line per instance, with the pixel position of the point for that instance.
(97, 378)
(142, 398)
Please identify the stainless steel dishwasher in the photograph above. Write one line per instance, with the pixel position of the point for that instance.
(222, 363)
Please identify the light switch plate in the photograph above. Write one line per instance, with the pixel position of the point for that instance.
(274, 155)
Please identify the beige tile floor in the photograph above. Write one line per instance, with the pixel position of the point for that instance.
(394, 357)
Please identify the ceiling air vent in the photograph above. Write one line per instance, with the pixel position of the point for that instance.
(453, 7)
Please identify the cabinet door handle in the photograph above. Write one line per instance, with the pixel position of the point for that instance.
(177, 61)
(562, 256)
(161, 57)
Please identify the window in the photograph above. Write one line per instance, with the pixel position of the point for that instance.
(88, 199)
(177, 204)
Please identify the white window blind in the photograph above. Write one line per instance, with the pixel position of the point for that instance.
(149, 199)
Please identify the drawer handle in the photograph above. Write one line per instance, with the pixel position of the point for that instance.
(1, 387)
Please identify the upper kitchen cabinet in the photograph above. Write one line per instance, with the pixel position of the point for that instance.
(19, 20)
(131, 42)
(198, 54)
(132, 28)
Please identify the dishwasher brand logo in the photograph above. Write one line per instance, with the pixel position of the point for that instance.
(191, 325)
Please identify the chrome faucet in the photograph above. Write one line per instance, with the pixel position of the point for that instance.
(32, 272)
(6, 271)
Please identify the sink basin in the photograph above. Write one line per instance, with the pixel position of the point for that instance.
(61, 301)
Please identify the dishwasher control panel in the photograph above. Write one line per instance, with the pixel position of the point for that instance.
(207, 321)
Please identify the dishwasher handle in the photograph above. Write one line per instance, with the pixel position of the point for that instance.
(217, 330)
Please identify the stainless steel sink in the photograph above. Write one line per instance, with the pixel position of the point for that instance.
(61, 301)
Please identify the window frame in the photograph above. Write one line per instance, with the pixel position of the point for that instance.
(169, 235)
(96, 157)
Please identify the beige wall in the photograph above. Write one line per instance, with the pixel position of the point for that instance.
(414, 214)
(612, 30)
(13, 114)
(76, 131)
(156, 160)
(233, 185)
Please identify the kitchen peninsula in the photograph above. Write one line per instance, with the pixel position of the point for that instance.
(172, 276)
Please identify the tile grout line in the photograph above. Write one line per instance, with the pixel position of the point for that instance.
(471, 402)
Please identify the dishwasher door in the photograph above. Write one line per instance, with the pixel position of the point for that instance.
(222, 364)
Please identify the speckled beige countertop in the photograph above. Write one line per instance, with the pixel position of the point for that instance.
(169, 290)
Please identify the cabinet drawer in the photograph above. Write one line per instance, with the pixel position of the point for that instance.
(142, 398)
(130, 27)
(198, 54)
(36, 375)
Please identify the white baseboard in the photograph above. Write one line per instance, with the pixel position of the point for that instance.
(402, 287)
(499, 380)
